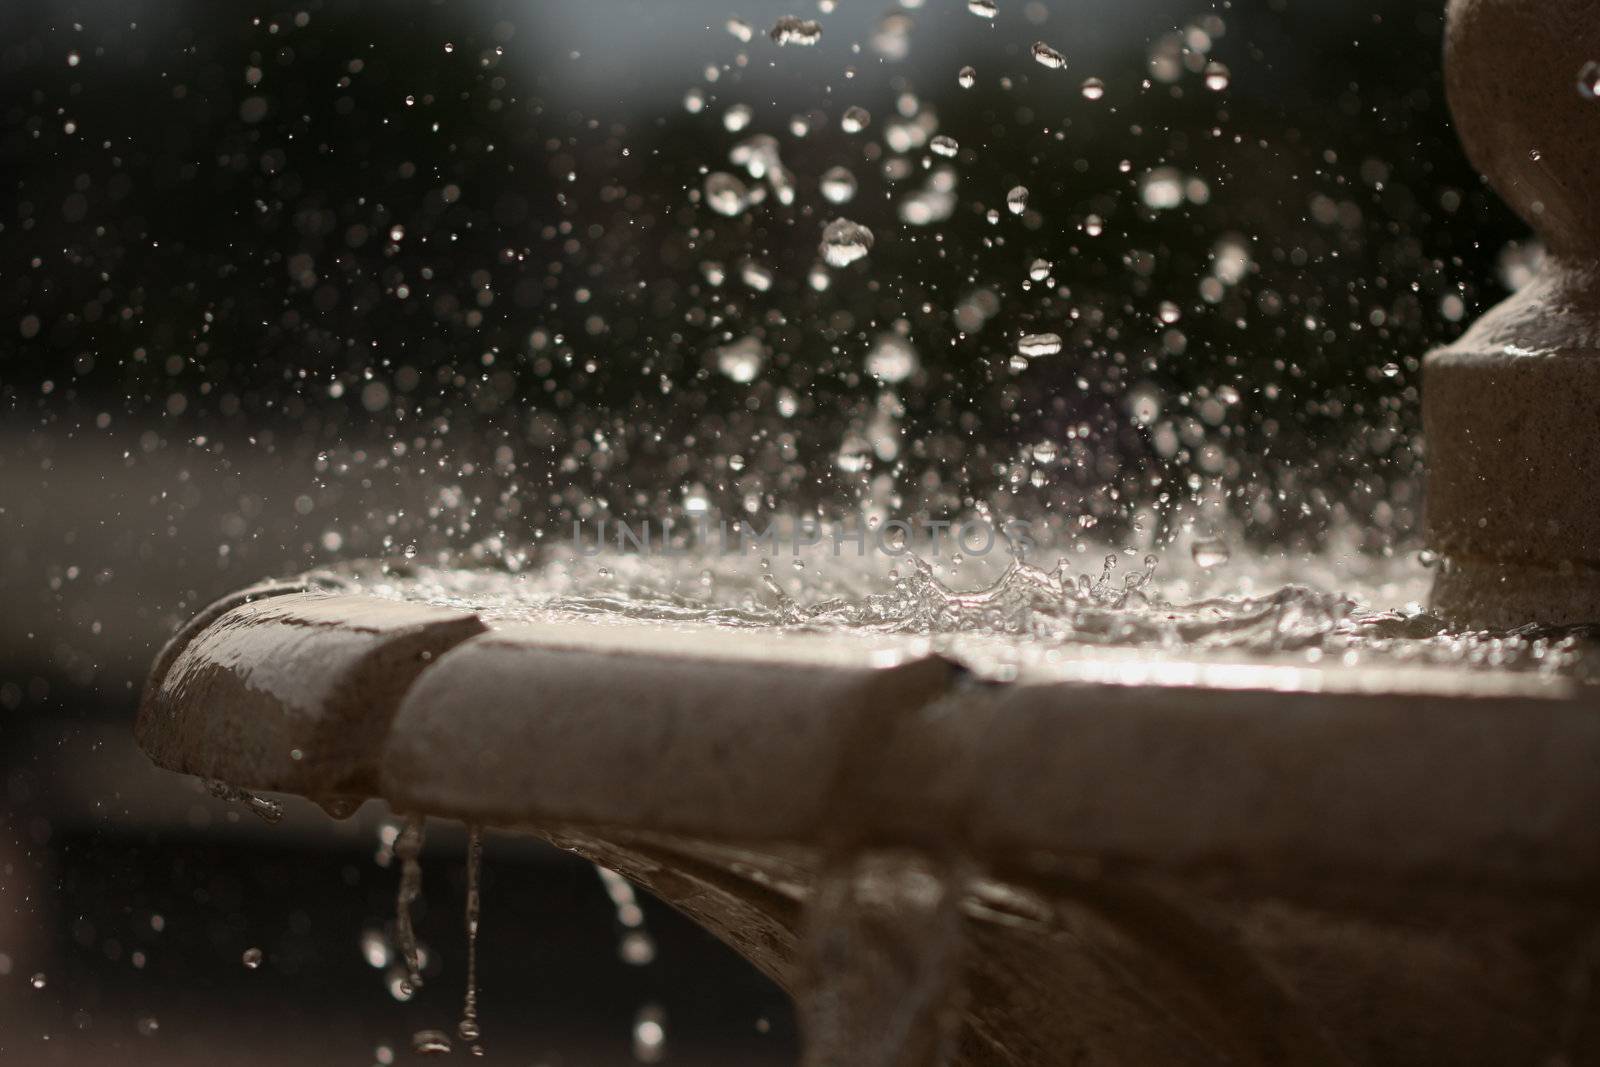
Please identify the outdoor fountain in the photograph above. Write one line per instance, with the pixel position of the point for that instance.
(953, 826)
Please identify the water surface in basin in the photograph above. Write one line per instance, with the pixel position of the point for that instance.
(1005, 610)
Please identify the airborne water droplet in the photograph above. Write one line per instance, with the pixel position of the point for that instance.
(792, 29)
(1039, 269)
(1589, 80)
(741, 360)
(725, 193)
(1047, 56)
(891, 358)
(1217, 76)
(251, 958)
(838, 185)
(1034, 345)
(739, 28)
(984, 9)
(1093, 88)
(844, 242)
(944, 146)
(855, 119)
(1210, 553)
(650, 1034)
(1017, 199)
(430, 1042)
(966, 77)
(38, 980)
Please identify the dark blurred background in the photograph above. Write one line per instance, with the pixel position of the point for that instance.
(351, 278)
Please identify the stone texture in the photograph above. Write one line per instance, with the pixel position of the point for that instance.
(291, 690)
(1511, 410)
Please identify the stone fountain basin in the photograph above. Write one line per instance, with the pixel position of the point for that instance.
(1164, 860)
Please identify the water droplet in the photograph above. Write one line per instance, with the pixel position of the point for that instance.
(855, 119)
(1162, 188)
(430, 1042)
(650, 1034)
(147, 1025)
(1039, 269)
(251, 958)
(966, 77)
(741, 360)
(737, 117)
(1210, 552)
(38, 980)
(1589, 80)
(838, 185)
(984, 9)
(1535, 155)
(1093, 88)
(755, 276)
(792, 29)
(944, 146)
(636, 946)
(1034, 345)
(73, 59)
(844, 242)
(1047, 56)
(891, 358)
(1217, 76)
(694, 101)
(1017, 199)
(725, 193)
(740, 28)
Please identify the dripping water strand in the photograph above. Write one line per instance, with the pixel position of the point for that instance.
(468, 1028)
(269, 811)
(634, 943)
(408, 847)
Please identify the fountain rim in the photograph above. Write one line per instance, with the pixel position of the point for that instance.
(1293, 771)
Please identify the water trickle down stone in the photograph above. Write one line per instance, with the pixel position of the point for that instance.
(468, 1027)
(408, 847)
(634, 944)
(269, 810)
(883, 963)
